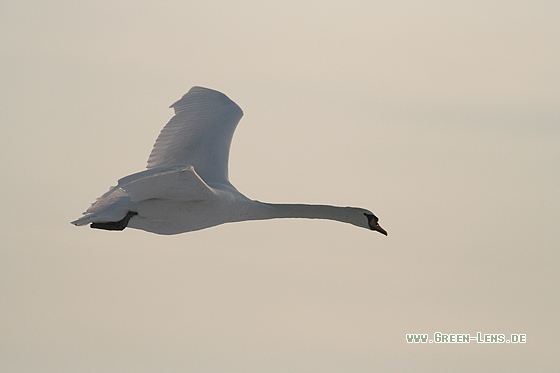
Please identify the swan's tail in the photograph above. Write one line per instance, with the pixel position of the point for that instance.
(112, 206)
(84, 220)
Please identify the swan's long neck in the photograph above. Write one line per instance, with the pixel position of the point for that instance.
(261, 210)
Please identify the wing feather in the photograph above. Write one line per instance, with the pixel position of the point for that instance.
(179, 182)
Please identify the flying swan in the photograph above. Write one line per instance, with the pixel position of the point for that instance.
(186, 186)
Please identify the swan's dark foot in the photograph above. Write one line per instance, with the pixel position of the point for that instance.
(115, 225)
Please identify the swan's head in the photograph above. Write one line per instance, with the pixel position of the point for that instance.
(373, 223)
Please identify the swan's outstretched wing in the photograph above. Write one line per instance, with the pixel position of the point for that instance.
(199, 134)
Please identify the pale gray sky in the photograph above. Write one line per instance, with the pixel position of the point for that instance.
(441, 118)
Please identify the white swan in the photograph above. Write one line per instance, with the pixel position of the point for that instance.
(186, 187)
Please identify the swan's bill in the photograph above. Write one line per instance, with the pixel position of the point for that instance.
(374, 225)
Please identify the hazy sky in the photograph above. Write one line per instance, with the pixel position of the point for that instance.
(443, 118)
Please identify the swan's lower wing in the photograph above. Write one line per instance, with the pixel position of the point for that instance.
(179, 182)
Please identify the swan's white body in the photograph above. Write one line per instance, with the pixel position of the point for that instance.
(186, 186)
